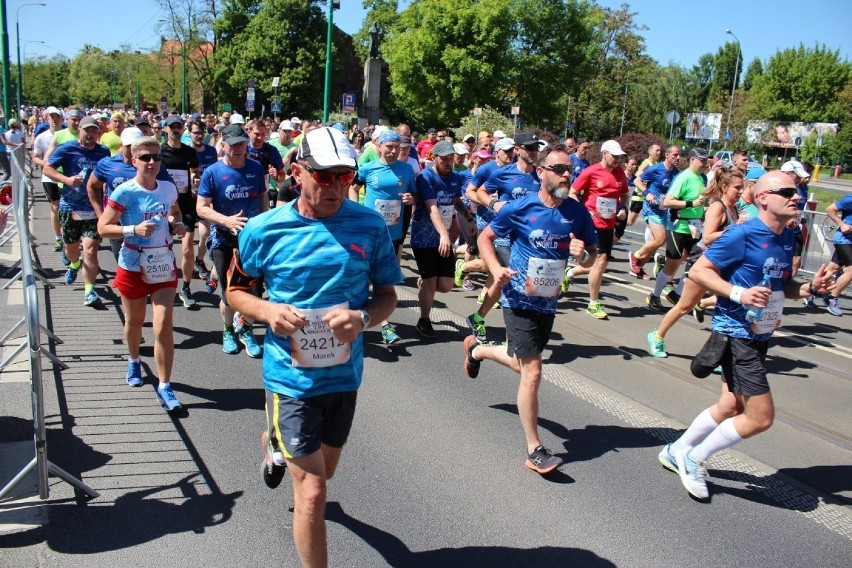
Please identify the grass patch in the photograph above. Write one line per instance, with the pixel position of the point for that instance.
(825, 197)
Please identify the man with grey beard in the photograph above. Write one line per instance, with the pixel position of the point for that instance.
(544, 228)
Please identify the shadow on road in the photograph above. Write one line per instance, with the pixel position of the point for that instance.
(396, 553)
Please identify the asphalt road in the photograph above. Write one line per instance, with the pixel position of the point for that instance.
(433, 474)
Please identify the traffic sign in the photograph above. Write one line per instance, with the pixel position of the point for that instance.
(477, 111)
(275, 81)
(227, 107)
(164, 103)
(728, 135)
(798, 141)
(251, 84)
(250, 105)
(275, 99)
(516, 110)
(348, 102)
(250, 95)
(276, 107)
(673, 117)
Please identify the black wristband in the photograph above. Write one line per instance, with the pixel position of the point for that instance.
(688, 204)
(811, 290)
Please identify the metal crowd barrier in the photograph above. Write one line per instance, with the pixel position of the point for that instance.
(21, 206)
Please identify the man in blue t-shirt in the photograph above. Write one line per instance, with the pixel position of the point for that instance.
(544, 229)
(232, 191)
(578, 158)
(840, 212)
(735, 268)
(316, 257)
(207, 156)
(77, 217)
(438, 188)
(389, 187)
(654, 182)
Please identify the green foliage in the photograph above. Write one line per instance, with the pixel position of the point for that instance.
(491, 120)
(45, 81)
(725, 63)
(381, 12)
(755, 69)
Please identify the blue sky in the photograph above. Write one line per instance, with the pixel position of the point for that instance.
(679, 32)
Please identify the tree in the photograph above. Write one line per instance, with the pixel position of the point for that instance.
(491, 120)
(725, 63)
(801, 84)
(45, 81)
(755, 69)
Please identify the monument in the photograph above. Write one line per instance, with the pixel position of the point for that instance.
(371, 109)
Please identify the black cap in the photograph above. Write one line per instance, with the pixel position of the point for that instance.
(526, 139)
(233, 134)
(699, 153)
(174, 119)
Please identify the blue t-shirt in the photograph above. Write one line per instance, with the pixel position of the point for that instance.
(114, 171)
(137, 204)
(658, 181)
(844, 211)
(484, 215)
(231, 191)
(206, 158)
(579, 165)
(537, 233)
(40, 127)
(383, 185)
(313, 264)
(266, 155)
(743, 254)
(511, 183)
(73, 158)
(446, 191)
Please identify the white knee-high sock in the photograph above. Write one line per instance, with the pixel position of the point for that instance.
(662, 280)
(722, 438)
(697, 431)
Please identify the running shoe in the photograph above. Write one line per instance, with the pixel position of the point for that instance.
(71, 275)
(186, 298)
(809, 302)
(239, 322)
(91, 299)
(659, 262)
(64, 258)
(424, 328)
(566, 282)
(596, 310)
(134, 373)
(389, 335)
(834, 307)
(481, 298)
(693, 474)
(246, 337)
(654, 303)
(229, 342)
(468, 283)
(458, 278)
(542, 461)
(167, 397)
(477, 327)
(671, 297)
(211, 284)
(657, 347)
(201, 268)
(698, 313)
(667, 460)
(57, 246)
(471, 365)
(635, 265)
(717, 369)
(274, 467)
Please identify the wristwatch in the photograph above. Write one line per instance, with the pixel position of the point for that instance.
(365, 318)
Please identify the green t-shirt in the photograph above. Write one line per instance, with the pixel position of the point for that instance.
(280, 147)
(65, 135)
(369, 155)
(687, 187)
(112, 141)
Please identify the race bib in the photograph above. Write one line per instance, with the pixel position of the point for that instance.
(607, 207)
(447, 212)
(180, 179)
(544, 277)
(389, 209)
(695, 228)
(315, 345)
(157, 264)
(83, 215)
(771, 318)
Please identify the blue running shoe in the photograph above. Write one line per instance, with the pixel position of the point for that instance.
(134, 373)
(389, 335)
(247, 338)
(211, 284)
(91, 299)
(71, 275)
(167, 397)
(64, 259)
(229, 342)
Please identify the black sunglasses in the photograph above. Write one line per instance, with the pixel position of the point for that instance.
(176, 125)
(149, 157)
(785, 192)
(559, 169)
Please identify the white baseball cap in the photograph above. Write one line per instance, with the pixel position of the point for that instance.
(286, 125)
(499, 134)
(460, 149)
(795, 167)
(130, 135)
(613, 148)
(325, 148)
(237, 118)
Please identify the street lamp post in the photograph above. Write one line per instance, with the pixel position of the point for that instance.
(733, 84)
(18, 41)
(138, 97)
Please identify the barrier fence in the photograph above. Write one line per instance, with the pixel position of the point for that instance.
(29, 275)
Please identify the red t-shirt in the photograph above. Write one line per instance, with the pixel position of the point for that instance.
(601, 191)
(423, 148)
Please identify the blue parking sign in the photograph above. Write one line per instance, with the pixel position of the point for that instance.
(348, 102)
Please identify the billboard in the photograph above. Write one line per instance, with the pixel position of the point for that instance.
(783, 134)
(703, 126)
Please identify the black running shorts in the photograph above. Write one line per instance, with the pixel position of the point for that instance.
(744, 367)
(298, 427)
(527, 332)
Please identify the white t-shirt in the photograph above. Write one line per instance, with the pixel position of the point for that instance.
(40, 146)
(14, 136)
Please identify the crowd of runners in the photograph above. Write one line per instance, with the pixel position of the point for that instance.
(301, 228)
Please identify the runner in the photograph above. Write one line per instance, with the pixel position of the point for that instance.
(146, 208)
(654, 151)
(112, 137)
(636, 199)
(733, 268)
(232, 191)
(578, 158)
(313, 363)
(51, 188)
(206, 157)
(544, 228)
(840, 212)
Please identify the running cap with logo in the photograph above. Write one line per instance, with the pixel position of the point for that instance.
(526, 139)
(795, 167)
(388, 136)
(53, 110)
(699, 153)
(237, 118)
(754, 174)
(130, 135)
(460, 149)
(286, 125)
(613, 148)
(89, 122)
(233, 134)
(325, 148)
(504, 144)
(499, 134)
(443, 148)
